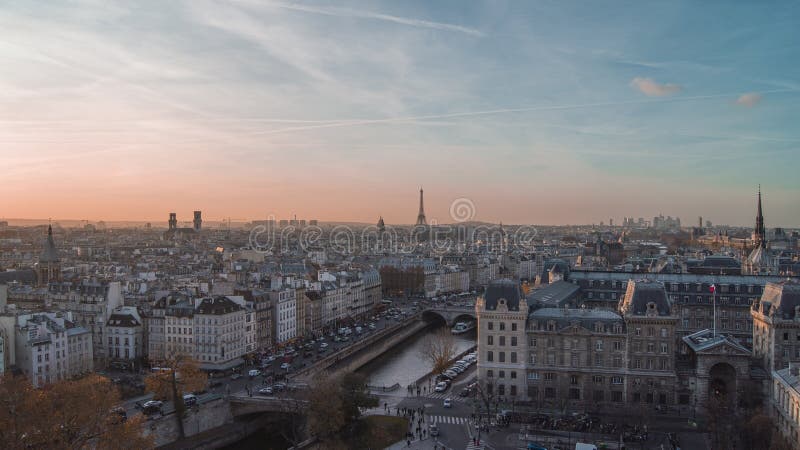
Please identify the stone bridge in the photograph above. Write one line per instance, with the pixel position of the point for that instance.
(450, 314)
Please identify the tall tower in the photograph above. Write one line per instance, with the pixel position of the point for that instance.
(173, 221)
(421, 216)
(48, 269)
(198, 220)
(760, 233)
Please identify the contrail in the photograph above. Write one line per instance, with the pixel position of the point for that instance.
(488, 112)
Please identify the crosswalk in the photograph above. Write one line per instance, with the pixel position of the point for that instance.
(446, 419)
(444, 395)
(472, 446)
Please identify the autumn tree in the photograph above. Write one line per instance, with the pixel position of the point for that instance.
(439, 349)
(325, 408)
(65, 415)
(335, 404)
(183, 375)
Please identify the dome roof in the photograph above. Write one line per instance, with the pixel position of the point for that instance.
(50, 252)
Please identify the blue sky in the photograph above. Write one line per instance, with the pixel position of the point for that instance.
(539, 112)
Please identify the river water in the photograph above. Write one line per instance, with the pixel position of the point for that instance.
(405, 364)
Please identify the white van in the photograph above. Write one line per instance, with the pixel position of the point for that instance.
(254, 373)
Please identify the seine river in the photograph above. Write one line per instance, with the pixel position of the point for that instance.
(404, 364)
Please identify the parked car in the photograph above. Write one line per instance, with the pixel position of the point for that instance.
(265, 391)
(152, 407)
(189, 399)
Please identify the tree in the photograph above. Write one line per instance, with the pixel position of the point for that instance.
(183, 376)
(335, 404)
(439, 349)
(325, 408)
(355, 396)
(65, 415)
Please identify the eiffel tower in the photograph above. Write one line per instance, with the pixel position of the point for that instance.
(421, 216)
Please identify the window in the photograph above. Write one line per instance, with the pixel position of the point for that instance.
(501, 389)
(513, 375)
(599, 345)
(664, 333)
(638, 332)
(549, 392)
(489, 373)
(574, 360)
(502, 356)
(513, 357)
(549, 376)
(532, 358)
(502, 326)
(490, 340)
(664, 347)
(616, 380)
(598, 396)
(490, 356)
(502, 341)
(490, 325)
(502, 374)
(616, 396)
(533, 376)
(598, 379)
(513, 390)
(532, 343)
(513, 341)
(574, 394)
(651, 347)
(573, 379)
(514, 326)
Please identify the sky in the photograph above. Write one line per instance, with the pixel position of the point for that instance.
(541, 112)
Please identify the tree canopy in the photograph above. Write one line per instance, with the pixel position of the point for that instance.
(65, 415)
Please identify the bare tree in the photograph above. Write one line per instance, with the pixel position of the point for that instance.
(183, 375)
(439, 349)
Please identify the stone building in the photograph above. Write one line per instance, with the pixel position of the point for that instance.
(502, 312)
(50, 347)
(786, 402)
(124, 335)
(776, 325)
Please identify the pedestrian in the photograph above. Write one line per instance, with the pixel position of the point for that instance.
(408, 442)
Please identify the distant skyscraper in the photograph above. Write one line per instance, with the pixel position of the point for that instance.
(198, 220)
(700, 222)
(421, 216)
(173, 221)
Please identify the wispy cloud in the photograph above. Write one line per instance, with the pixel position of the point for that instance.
(651, 88)
(749, 100)
(368, 15)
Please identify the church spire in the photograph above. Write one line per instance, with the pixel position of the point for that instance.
(421, 216)
(760, 232)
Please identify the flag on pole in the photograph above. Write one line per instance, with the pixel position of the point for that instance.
(712, 288)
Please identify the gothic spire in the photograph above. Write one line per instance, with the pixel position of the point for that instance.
(760, 231)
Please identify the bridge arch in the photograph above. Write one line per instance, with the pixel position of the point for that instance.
(432, 316)
(448, 316)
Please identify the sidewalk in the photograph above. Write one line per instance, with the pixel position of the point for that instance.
(426, 444)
